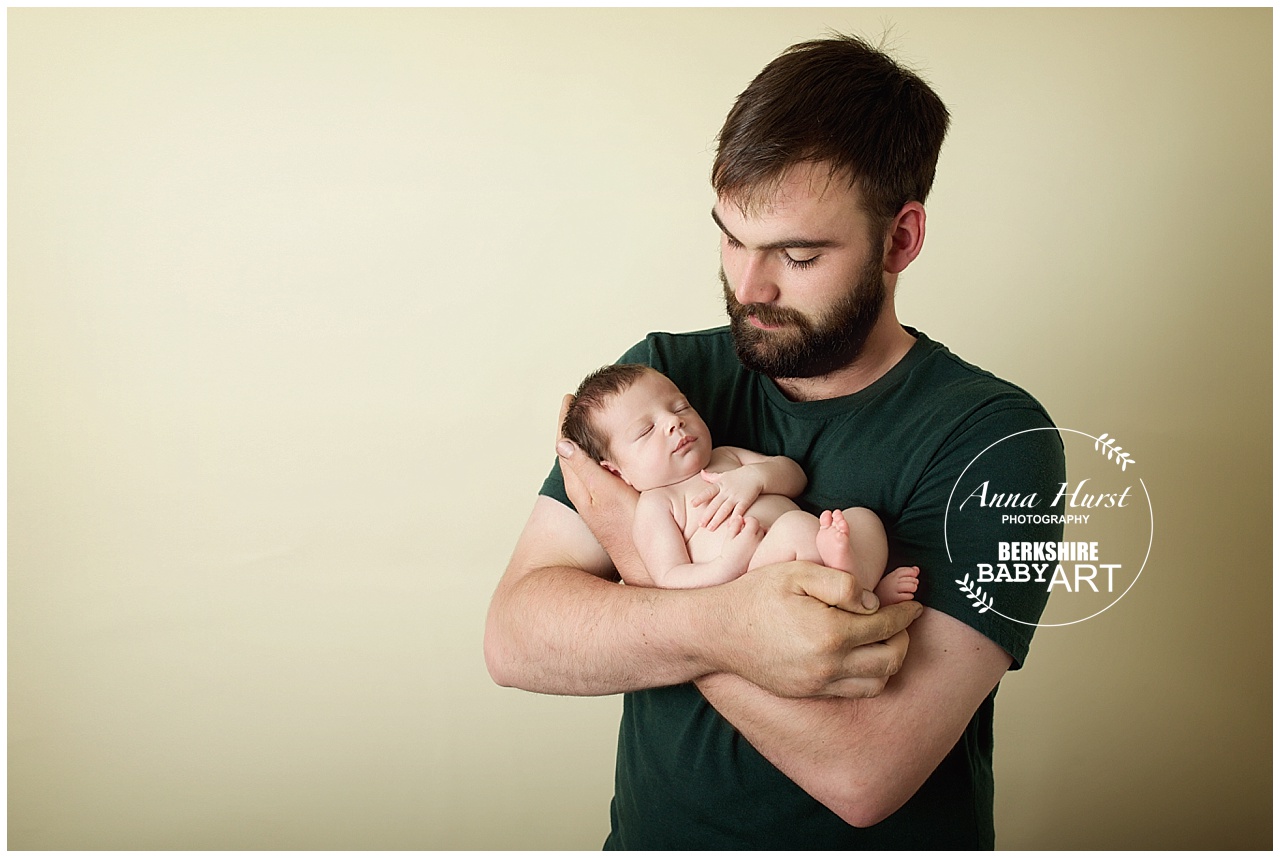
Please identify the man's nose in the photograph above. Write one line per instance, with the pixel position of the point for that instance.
(756, 284)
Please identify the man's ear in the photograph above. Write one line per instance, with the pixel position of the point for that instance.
(613, 469)
(904, 239)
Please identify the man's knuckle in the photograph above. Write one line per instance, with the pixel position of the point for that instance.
(828, 642)
(894, 663)
(817, 683)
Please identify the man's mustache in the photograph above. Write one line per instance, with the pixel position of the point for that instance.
(766, 313)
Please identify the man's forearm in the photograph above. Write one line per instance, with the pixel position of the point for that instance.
(864, 758)
(559, 630)
(557, 626)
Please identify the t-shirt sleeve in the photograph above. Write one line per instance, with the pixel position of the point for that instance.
(992, 482)
(553, 485)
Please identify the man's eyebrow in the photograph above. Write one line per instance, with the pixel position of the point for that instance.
(778, 245)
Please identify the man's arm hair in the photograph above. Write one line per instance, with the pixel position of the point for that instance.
(558, 623)
(864, 758)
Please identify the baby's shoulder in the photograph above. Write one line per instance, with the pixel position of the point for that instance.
(671, 502)
(725, 459)
(653, 501)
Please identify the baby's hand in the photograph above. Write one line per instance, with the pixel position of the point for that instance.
(730, 493)
(745, 535)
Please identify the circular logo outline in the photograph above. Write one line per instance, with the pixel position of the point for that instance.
(1151, 517)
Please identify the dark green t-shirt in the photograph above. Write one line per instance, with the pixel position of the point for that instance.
(686, 779)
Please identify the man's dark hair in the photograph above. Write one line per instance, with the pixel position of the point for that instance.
(838, 101)
(595, 390)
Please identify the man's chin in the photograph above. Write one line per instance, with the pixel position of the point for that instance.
(770, 362)
(765, 346)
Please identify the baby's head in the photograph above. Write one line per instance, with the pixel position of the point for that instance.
(636, 423)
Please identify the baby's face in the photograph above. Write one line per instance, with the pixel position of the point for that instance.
(655, 436)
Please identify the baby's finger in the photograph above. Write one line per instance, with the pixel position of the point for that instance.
(722, 514)
(712, 518)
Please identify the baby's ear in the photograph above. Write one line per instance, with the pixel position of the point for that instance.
(613, 469)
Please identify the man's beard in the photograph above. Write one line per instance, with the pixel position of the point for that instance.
(805, 347)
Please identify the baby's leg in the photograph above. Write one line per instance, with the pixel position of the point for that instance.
(797, 535)
(852, 541)
(831, 541)
(867, 542)
(792, 536)
(871, 547)
(835, 550)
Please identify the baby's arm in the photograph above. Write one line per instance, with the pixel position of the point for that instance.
(741, 476)
(661, 546)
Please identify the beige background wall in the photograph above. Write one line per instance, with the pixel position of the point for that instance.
(293, 296)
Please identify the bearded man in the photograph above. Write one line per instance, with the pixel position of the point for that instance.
(782, 710)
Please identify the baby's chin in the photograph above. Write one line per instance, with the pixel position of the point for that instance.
(695, 467)
(689, 468)
(673, 478)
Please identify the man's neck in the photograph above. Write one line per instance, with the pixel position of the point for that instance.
(887, 344)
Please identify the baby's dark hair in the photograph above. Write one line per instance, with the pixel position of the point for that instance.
(595, 390)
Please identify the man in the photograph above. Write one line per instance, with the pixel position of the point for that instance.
(782, 710)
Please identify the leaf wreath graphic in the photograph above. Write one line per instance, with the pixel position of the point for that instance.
(981, 600)
(1114, 452)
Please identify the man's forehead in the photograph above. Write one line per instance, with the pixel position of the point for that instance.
(805, 183)
(830, 220)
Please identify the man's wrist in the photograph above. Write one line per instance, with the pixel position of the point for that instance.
(713, 622)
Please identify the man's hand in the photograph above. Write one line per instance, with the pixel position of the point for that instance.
(798, 629)
(605, 502)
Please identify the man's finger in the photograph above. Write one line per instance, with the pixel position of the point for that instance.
(835, 588)
(869, 667)
(884, 624)
(564, 409)
(855, 688)
(841, 590)
(587, 483)
(573, 486)
(582, 466)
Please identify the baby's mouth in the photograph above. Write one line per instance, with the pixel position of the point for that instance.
(685, 442)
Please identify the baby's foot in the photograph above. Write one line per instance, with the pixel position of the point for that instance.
(833, 542)
(899, 585)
